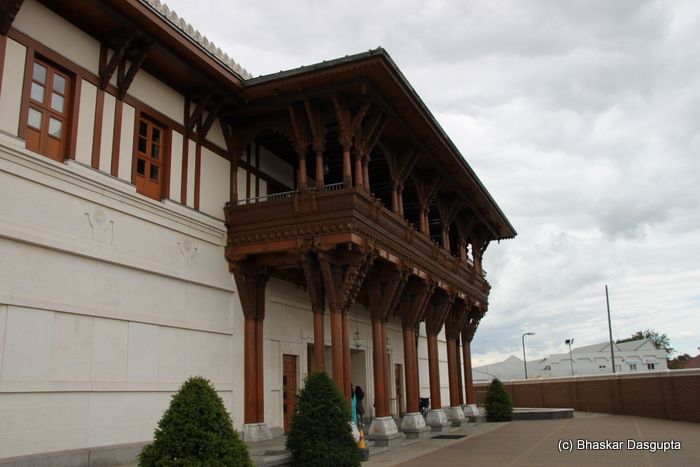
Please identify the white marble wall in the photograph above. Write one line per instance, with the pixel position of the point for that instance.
(108, 301)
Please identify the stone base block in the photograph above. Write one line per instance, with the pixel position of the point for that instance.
(253, 432)
(384, 432)
(414, 427)
(470, 410)
(456, 416)
(437, 421)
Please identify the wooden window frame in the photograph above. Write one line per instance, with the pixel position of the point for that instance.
(163, 163)
(67, 117)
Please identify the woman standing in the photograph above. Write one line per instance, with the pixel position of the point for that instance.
(359, 408)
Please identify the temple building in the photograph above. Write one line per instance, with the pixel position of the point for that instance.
(165, 214)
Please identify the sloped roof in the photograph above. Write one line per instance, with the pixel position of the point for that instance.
(196, 37)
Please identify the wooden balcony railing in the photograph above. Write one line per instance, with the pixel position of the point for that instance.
(285, 221)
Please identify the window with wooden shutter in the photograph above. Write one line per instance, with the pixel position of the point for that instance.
(149, 163)
(48, 112)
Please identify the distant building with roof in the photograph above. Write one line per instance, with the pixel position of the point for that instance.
(633, 356)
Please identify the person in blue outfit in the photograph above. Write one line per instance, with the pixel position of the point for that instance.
(359, 395)
(353, 403)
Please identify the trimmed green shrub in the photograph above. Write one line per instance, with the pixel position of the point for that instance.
(196, 430)
(320, 434)
(499, 405)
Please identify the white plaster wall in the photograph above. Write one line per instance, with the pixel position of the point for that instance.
(276, 167)
(191, 164)
(11, 90)
(86, 122)
(126, 143)
(107, 140)
(216, 134)
(242, 176)
(214, 185)
(176, 166)
(156, 94)
(56, 33)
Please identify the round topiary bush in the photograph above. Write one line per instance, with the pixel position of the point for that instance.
(320, 434)
(499, 405)
(196, 430)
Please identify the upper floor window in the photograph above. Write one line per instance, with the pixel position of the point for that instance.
(633, 366)
(651, 366)
(150, 158)
(48, 113)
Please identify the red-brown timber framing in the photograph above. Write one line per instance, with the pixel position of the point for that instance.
(358, 129)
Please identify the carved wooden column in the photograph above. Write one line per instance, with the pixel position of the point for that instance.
(359, 173)
(303, 183)
(400, 166)
(475, 314)
(348, 124)
(384, 287)
(343, 275)
(347, 370)
(454, 323)
(314, 286)
(439, 308)
(331, 285)
(318, 133)
(302, 139)
(320, 171)
(426, 190)
(250, 283)
(460, 384)
(365, 171)
(464, 229)
(448, 211)
(413, 304)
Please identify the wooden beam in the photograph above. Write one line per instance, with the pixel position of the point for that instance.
(8, 12)
(124, 83)
(121, 45)
(200, 105)
(211, 118)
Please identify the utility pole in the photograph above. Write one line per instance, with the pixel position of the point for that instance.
(524, 358)
(612, 349)
(571, 358)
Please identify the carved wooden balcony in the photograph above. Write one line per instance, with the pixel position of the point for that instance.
(277, 228)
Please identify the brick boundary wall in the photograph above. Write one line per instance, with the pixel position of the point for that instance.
(670, 394)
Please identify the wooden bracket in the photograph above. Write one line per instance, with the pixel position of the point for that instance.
(426, 188)
(251, 282)
(194, 119)
(125, 81)
(302, 138)
(385, 286)
(440, 304)
(314, 282)
(211, 118)
(120, 44)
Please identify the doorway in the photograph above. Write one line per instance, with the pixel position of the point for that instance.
(289, 389)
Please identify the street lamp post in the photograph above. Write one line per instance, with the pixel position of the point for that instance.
(571, 358)
(524, 358)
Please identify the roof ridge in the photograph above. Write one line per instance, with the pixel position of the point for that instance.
(195, 36)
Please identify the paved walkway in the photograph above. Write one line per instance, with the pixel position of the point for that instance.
(538, 443)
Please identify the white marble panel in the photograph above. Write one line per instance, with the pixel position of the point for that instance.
(208, 355)
(142, 360)
(171, 355)
(28, 337)
(32, 423)
(71, 347)
(109, 350)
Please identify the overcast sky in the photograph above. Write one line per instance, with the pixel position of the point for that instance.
(581, 118)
